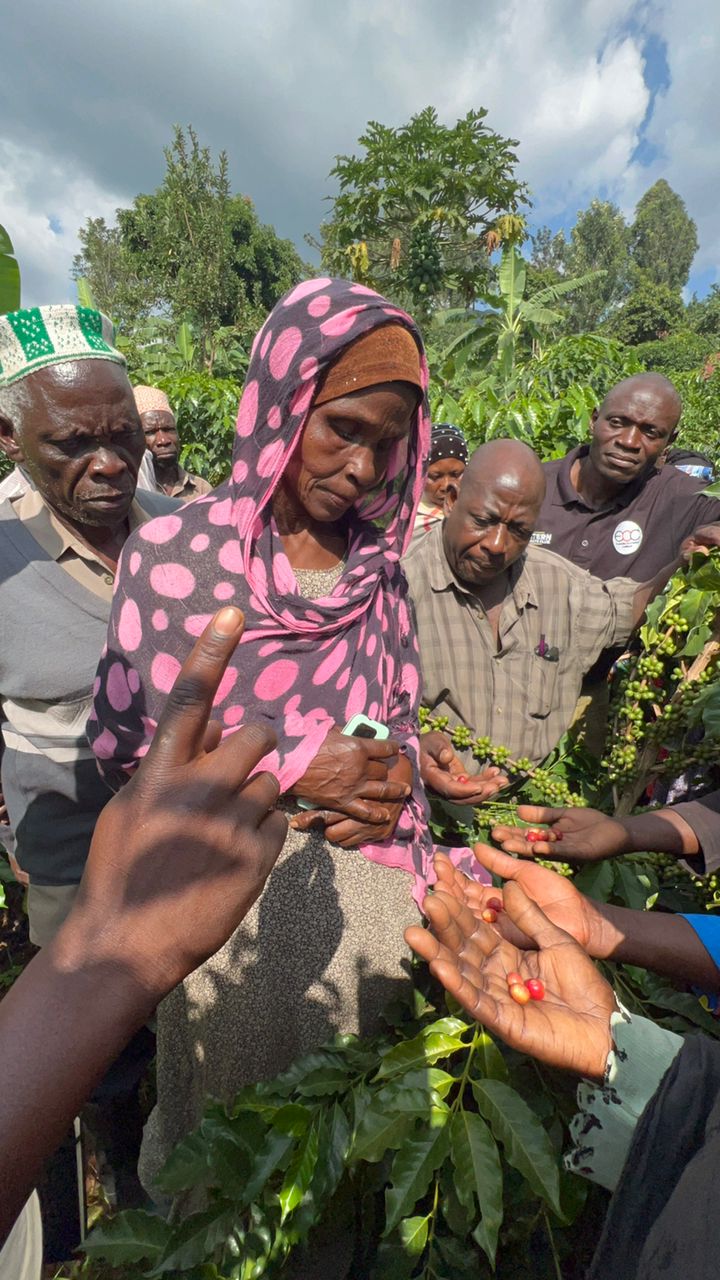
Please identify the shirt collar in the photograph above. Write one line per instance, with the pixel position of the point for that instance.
(441, 577)
(55, 537)
(566, 494)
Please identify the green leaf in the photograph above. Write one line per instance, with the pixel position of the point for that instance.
(132, 1236)
(299, 1071)
(596, 881)
(299, 1172)
(632, 888)
(433, 1080)
(86, 297)
(324, 1081)
(389, 1120)
(195, 1239)
(438, 1040)
(414, 1234)
(266, 1162)
(527, 1146)
(333, 1153)
(9, 278)
(186, 1166)
(292, 1118)
(411, 1173)
(478, 1174)
(488, 1058)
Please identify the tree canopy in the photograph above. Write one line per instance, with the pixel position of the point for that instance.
(413, 211)
(191, 251)
(663, 237)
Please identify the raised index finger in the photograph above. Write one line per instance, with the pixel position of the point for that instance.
(181, 729)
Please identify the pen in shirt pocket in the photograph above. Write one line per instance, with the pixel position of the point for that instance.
(550, 653)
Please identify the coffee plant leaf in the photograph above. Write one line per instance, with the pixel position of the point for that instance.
(269, 1158)
(187, 1165)
(596, 880)
(299, 1172)
(526, 1145)
(412, 1171)
(132, 1236)
(195, 1239)
(478, 1175)
(438, 1040)
(413, 1233)
(488, 1058)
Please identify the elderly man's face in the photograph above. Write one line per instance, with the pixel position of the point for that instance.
(487, 527)
(161, 435)
(80, 440)
(631, 430)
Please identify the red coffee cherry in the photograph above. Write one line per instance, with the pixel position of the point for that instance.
(494, 904)
(514, 979)
(535, 988)
(489, 916)
(462, 777)
(558, 835)
(533, 835)
(519, 993)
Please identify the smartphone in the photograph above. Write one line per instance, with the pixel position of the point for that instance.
(359, 726)
(362, 727)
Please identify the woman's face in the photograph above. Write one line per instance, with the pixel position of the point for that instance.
(441, 475)
(345, 447)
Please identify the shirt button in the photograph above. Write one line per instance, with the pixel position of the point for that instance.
(108, 578)
(499, 710)
(584, 543)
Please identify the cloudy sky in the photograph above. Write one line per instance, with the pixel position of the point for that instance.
(605, 96)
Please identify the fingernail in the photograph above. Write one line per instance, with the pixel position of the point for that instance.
(408, 790)
(227, 621)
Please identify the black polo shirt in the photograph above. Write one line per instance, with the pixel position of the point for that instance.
(634, 537)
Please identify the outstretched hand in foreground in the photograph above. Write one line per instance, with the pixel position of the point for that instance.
(569, 1028)
(177, 859)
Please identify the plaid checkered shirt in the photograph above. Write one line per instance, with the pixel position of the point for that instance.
(511, 693)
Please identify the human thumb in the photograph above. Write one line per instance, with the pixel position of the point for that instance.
(527, 916)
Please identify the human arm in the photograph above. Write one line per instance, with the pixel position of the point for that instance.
(177, 859)
(443, 772)
(670, 945)
(586, 835)
(647, 591)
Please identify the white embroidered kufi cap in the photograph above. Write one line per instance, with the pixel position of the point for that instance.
(38, 336)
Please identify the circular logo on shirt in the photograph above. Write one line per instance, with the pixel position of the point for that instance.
(627, 537)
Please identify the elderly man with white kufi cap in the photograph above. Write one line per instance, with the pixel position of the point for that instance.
(68, 422)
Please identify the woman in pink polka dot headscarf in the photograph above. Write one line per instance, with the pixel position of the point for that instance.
(305, 537)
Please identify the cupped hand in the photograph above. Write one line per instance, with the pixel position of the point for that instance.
(352, 776)
(573, 835)
(181, 853)
(443, 771)
(556, 895)
(569, 1028)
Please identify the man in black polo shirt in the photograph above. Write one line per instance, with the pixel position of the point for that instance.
(610, 507)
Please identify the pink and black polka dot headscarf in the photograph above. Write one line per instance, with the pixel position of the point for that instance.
(304, 665)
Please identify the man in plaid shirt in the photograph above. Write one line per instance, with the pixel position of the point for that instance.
(507, 630)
